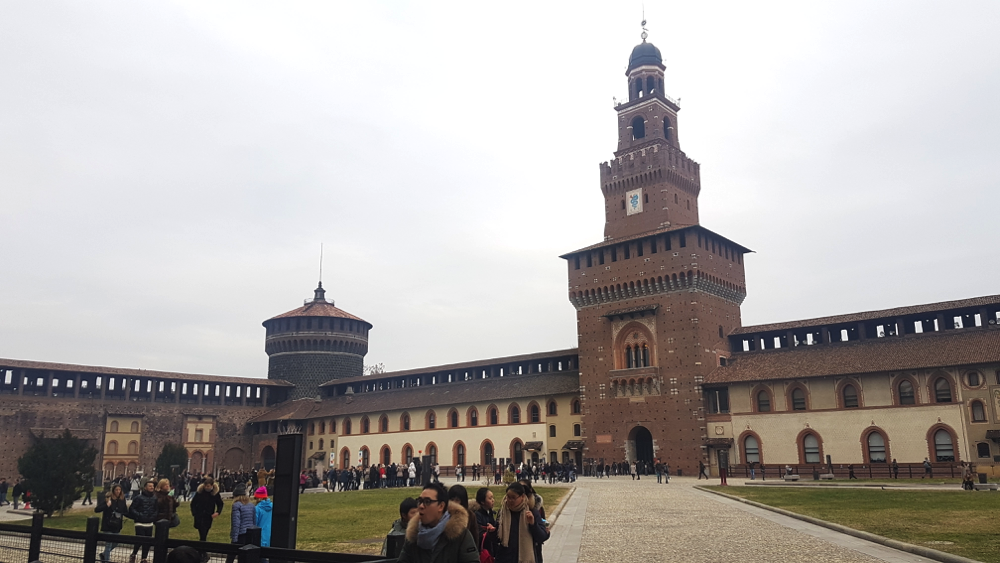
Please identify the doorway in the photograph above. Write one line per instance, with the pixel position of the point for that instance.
(641, 443)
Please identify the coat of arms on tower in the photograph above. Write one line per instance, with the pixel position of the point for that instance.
(633, 201)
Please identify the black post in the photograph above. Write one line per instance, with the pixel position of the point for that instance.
(288, 464)
(35, 545)
(249, 554)
(90, 543)
(160, 535)
(428, 471)
(253, 536)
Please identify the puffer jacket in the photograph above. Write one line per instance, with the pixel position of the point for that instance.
(143, 508)
(244, 516)
(112, 518)
(264, 521)
(455, 545)
(166, 506)
(205, 503)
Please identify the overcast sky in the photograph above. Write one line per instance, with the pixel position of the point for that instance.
(168, 170)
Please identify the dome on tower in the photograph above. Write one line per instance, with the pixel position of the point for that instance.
(644, 54)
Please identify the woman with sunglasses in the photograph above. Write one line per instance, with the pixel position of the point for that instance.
(520, 532)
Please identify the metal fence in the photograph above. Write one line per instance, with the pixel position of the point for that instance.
(36, 543)
(861, 471)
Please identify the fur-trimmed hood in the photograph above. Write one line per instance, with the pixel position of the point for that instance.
(215, 488)
(456, 526)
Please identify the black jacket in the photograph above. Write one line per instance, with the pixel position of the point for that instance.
(112, 517)
(204, 505)
(143, 508)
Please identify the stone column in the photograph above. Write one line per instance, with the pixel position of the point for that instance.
(76, 387)
(48, 384)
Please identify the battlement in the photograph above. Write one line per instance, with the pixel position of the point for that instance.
(638, 164)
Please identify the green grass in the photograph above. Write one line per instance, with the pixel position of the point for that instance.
(354, 522)
(969, 520)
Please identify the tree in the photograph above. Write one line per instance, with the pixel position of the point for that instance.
(55, 471)
(376, 369)
(171, 454)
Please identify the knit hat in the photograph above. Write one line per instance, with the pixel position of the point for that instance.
(239, 491)
(261, 493)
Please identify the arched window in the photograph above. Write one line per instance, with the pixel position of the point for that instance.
(628, 358)
(460, 454)
(763, 401)
(473, 417)
(365, 425)
(114, 426)
(978, 412)
(577, 430)
(810, 447)
(432, 451)
(944, 447)
(906, 394)
(535, 412)
(798, 400)
(552, 431)
(515, 415)
(431, 420)
(645, 356)
(876, 448)
(552, 408)
(133, 447)
(386, 455)
(408, 454)
(518, 451)
(650, 84)
(942, 391)
(365, 456)
(576, 407)
(112, 447)
(494, 416)
(751, 449)
(453, 419)
(973, 379)
(487, 453)
(321, 442)
(135, 427)
(404, 421)
(850, 395)
(345, 458)
(638, 128)
(383, 424)
(667, 128)
(347, 427)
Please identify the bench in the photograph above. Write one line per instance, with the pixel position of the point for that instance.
(790, 477)
(986, 486)
(827, 476)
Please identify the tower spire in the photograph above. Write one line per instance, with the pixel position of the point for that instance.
(644, 33)
(320, 293)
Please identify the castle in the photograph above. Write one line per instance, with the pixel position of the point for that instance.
(663, 368)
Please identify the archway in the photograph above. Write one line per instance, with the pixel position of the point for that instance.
(267, 458)
(640, 444)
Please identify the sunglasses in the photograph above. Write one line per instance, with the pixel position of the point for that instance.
(425, 501)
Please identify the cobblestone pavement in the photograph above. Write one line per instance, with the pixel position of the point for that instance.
(624, 520)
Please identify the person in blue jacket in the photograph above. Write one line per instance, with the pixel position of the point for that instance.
(264, 507)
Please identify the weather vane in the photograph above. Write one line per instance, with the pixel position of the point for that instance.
(644, 34)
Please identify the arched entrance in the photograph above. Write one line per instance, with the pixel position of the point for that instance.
(267, 458)
(640, 444)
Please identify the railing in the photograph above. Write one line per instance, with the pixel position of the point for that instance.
(34, 543)
(861, 471)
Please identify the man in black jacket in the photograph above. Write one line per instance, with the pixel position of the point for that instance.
(143, 512)
(206, 507)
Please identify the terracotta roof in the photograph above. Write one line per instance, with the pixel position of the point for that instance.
(873, 315)
(426, 396)
(505, 360)
(77, 368)
(652, 233)
(917, 351)
(319, 309)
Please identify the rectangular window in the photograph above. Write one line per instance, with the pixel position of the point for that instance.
(199, 435)
(718, 401)
(590, 259)
(576, 262)
(600, 256)
(652, 245)
(628, 253)
(666, 242)
(552, 431)
(614, 254)
(683, 241)
(638, 248)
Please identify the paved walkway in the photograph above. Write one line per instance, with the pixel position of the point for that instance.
(623, 520)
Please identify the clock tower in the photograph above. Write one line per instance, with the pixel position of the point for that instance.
(657, 297)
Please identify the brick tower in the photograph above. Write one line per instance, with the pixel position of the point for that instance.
(656, 299)
(315, 344)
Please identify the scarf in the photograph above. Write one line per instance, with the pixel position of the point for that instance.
(525, 542)
(427, 537)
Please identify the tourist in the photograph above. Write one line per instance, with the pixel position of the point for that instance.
(850, 472)
(763, 472)
(895, 469)
(136, 486)
(701, 470)
(520, 533)
(437, 473)
(166, 504)
(482, 507)
(244, 516)
(666, 473)
(3, 491)
(142, 511)
(262, 514)
(113, 508)
(928, 470)
(753, 470)
(459, 494)
(440, 533)
(411, 472)
(88, 488)
(303, 481)
(206, 507)
(407, 511)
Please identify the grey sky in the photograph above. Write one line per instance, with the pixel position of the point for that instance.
(168, 170)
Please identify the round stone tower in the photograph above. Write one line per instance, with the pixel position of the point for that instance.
(315, 344)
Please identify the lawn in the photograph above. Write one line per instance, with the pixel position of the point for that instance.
(353, 522)
(965, 523)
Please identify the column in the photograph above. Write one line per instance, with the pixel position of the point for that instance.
(900, 327)
(76, 387)
(862, 332)
(48, 384)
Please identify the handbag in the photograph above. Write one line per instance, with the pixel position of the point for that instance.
(484, 555)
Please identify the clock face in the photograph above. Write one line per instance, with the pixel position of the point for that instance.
(633, 201)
